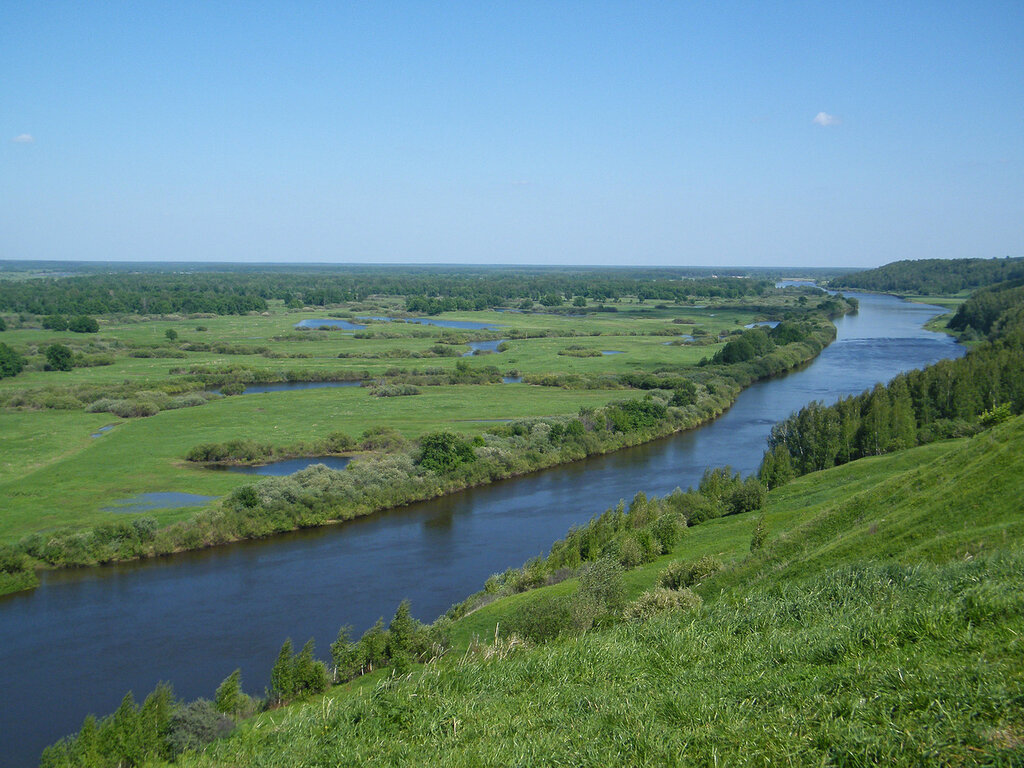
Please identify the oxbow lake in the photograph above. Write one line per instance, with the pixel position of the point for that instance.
(76, 644)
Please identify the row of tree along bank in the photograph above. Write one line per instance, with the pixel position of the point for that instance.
(953, 398)
(398, 473)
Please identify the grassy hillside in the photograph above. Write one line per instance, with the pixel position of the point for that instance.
(882, 623)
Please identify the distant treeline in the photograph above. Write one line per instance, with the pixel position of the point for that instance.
(952, 398)
(227, 293)
(933, 276)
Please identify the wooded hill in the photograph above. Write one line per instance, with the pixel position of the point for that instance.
(934, 277)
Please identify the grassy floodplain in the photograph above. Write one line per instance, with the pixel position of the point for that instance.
(881, 623)
(148, 399)
(54, 473)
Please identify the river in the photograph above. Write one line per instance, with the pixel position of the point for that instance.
(82, 639)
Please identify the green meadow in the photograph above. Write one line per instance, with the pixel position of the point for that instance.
(54, 473)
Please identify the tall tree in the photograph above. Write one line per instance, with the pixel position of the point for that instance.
(282, 676)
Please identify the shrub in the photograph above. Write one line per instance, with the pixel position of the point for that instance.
(11, 363)
(195, 725)
(675, 576)
(127, 409)
(704, 568)
(659, 600)
(394, 390)
(631, 553)
(668, 529)
(543, 618)
(680, 574)
(83, 324)
(601, 582)
(55, 323)
(759, 535)
(443, 451)
(58, 357)
(381, 439)
(747, 496)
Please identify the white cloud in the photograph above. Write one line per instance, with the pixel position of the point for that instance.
(23, 138)
(825, 120)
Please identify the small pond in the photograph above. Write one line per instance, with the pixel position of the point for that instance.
(468, 325)
(146, 502)
(286, 466)
(511, 379)
(763, 324)
(796, 284)
(611, 352)
(99, 432)
(482, 346)
(288, 386)
(331, 322)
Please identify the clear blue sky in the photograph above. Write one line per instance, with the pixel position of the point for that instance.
(512, 132)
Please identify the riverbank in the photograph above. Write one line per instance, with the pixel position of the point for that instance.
(325, 497)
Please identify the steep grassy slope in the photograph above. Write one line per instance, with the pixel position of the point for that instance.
(883, 623)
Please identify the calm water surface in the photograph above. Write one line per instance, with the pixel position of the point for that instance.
(286, 466)
(76, 644)
(290, 386)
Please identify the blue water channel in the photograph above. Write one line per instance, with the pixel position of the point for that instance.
(83, 638)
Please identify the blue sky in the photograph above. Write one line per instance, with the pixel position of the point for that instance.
(620, 133)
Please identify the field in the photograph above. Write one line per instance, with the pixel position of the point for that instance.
(881, 623)
(57, 470)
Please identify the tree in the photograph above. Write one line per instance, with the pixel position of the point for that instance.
(401, 637)
(171, 334)
(776, 467)
(55, 323)
(228, 699)
(309, 676)
(344, 656)
(58, 357)
(372, 646)
(126, 731)
(11, 363)
(3, 324)
(282, 676)
(155, 720)
(83, 324)
(442, 451)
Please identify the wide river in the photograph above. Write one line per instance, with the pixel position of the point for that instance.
(82, 639)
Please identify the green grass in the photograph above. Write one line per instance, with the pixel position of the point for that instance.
(883, 624)
(55, 474)
(624, 330)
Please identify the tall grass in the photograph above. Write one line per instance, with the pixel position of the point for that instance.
(859, 665)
